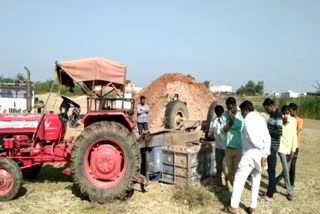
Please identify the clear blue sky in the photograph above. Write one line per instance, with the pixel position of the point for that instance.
(227, 42)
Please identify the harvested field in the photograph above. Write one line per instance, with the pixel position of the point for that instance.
(53, 192)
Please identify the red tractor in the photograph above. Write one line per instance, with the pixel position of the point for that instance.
(104, 160)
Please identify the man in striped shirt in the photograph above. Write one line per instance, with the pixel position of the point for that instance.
(275, 129)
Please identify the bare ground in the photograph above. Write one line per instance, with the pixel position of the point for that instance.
(53, 192)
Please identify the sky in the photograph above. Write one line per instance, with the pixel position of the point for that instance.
(226, 42)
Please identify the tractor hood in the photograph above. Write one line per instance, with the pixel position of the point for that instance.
(91, 72)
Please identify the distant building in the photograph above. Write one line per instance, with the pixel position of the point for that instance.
(221, 88)
(276, 94)
(131, 88)
(291, 94)
(313, 94)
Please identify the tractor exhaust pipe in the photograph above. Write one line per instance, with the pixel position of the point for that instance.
(29, 90)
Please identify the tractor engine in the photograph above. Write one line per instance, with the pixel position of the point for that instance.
(17, 144)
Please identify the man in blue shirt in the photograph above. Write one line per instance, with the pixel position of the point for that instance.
(232, 125)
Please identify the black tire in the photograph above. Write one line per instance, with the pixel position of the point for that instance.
(119, 133)
(210, 116)
(12, 167)
(175, 110)
(31, 173)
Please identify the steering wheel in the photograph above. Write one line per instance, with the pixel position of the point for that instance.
(67, 100)
(64, 109)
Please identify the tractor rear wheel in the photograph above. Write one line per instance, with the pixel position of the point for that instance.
(10, 179)
(175, 113)
(105, 162)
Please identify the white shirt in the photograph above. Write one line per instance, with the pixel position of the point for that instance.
(256, 140)
(142, 111)
(215, 129)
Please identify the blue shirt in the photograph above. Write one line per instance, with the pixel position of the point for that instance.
(233, 135)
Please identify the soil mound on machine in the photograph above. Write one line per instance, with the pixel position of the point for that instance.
(161, 91)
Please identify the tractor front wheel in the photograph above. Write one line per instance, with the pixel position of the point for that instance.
(10, 179)
(105, 162)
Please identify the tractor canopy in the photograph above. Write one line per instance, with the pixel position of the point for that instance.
(90, 73)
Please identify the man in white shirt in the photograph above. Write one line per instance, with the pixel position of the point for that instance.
(256, 143)
(142, 110)
(220, 146)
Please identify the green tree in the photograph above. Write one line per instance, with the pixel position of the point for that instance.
(260, 88)
(207, 83)
(20, 77)
(251, 88)
(5, 79)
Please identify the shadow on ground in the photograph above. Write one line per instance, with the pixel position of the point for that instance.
(223, 194)
(51, 173)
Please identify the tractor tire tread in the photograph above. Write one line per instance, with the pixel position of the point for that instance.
(173, 107)
(125, 188)
(14, 168)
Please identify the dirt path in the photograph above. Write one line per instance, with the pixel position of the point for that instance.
(53, 193)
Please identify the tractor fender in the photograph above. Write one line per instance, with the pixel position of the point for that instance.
(117, 116)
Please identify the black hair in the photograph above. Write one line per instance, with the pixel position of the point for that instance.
(231, 101)
(246, 105)
(219, 110)
(142, 97)
(268, 102)
(293, 106)
(284, 109)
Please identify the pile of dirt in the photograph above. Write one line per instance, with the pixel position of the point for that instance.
(162, 90)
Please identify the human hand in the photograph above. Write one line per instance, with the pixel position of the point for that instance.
(291, 155)
(263, 162)
(232, 116)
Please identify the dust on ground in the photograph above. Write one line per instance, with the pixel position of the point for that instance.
(53, 192)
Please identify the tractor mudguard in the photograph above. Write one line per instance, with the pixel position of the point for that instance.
(116, 116)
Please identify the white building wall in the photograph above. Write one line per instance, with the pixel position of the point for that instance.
(291, 94)
(221, 88)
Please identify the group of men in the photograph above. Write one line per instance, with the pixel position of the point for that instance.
(246, 143)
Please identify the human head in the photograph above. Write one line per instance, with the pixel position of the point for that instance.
(293, 108)
(231, 104)
(142, 100)
(219, 110)
(268, 105)
(246, 107)
(285, 113)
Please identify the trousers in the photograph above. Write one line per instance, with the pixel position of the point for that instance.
(142, 127)
(286, 162)
(293, 168)
(219, 165)
(246, 167)
(231, 161)
(272, 163)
